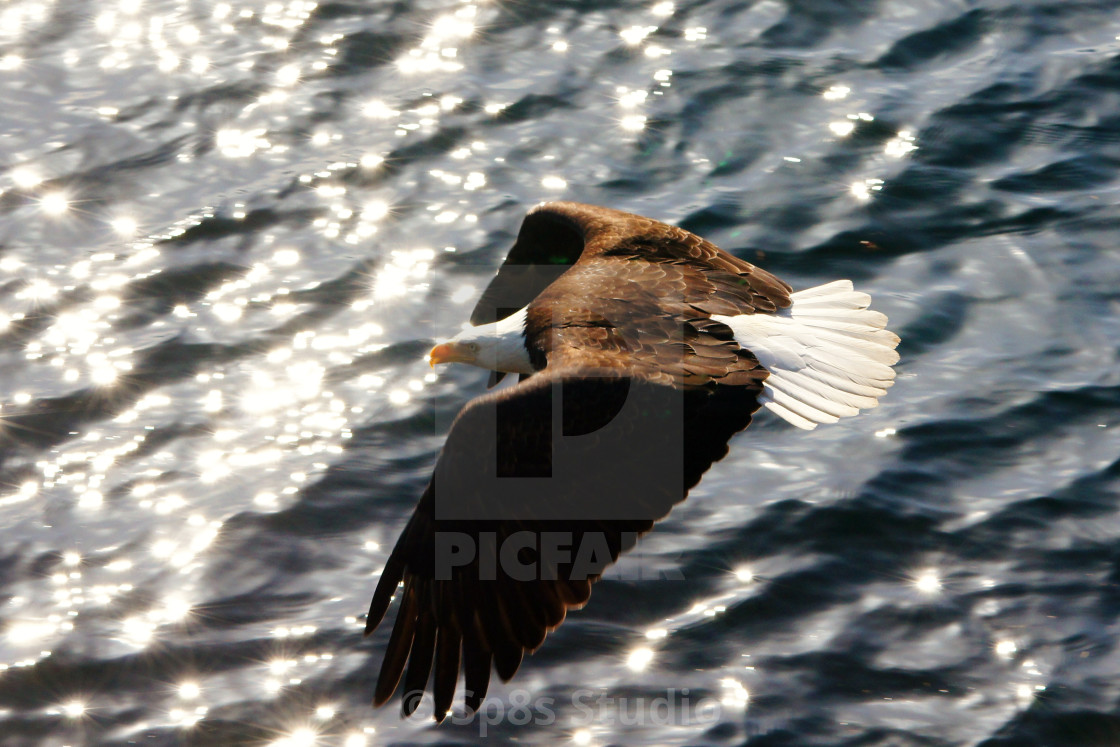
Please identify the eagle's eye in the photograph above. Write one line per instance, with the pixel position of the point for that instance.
(473, 347)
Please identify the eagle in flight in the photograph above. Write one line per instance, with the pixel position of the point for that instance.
(641, 350)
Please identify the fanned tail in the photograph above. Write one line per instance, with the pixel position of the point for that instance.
(829, 355)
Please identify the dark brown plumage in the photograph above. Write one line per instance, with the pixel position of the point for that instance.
(636, 392)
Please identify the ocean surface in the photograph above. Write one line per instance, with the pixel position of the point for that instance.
(230, 232)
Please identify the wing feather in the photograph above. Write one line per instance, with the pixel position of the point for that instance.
(400, 645)
(477, 661)
(448, 648)
(422, 652)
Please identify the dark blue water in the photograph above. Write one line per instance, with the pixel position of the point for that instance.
(230, 231)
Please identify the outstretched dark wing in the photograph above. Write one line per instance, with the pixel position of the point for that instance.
(556, 235)
(539, 487)
(548, 243)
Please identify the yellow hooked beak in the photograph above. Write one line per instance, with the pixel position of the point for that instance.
(448, 352)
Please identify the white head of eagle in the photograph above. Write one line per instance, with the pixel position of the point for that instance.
(499, 346)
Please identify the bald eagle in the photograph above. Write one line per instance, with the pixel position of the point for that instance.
(641, 349)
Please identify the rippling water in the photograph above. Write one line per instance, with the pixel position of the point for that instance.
(229, 232)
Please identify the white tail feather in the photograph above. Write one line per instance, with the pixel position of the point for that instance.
(828, 355)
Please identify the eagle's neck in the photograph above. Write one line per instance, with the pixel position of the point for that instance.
(504, 345)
